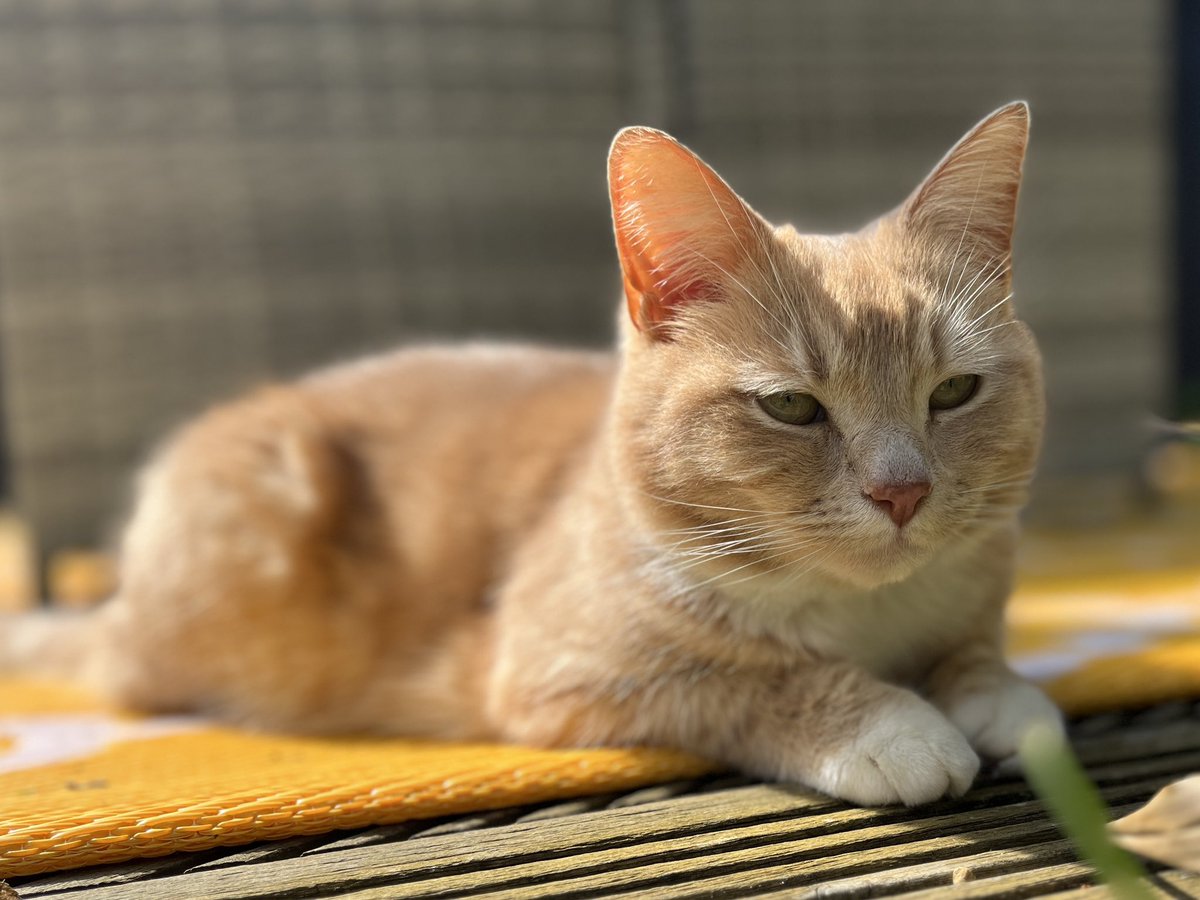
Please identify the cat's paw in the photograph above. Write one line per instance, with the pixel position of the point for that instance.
(995, 720)
(908, 753)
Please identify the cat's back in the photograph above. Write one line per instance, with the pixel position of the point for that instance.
(461, 381)
(473, 441)
(476, 400)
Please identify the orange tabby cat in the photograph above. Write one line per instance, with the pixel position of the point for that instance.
(775, 529)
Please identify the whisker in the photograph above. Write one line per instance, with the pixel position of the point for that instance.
(742, 545)
(694, 587)
(747, 291)
(677, 561)
(980, 334)
(797, 329)
(1018, 478)
(960, 300)
(969, 331)
(816, 556)
(991, 269)
(1020, 482)
(698, 542)
(964, 329)
(757, 544)
(780, 296)
(786, 512)
(961, 238)
(729, 225)
(719, 525)
(697, 546)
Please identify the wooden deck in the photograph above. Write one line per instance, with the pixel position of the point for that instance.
(719, 837)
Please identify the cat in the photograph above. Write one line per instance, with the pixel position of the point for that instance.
(776, 528)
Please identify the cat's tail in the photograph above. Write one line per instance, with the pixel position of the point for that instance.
(59, 644)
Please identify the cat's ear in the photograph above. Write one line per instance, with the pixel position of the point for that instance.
(970, 198)
(679, 227)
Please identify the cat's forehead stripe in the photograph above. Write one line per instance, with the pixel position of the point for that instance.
(853, 303)
(891, 345)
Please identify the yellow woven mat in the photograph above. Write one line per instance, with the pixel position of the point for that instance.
(81, 785)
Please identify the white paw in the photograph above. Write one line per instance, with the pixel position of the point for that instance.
(907, 754)
(995, 720)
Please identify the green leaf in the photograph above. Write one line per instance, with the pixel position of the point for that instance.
(1059, 780)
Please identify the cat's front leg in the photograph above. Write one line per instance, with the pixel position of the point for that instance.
(861, 740)
(991, 704)
(830, 726)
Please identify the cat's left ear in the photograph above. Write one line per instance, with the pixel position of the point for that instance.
(970, 198)
(680, 229)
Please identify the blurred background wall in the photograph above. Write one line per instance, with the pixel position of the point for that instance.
(196, 196)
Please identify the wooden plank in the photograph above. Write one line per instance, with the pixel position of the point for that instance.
(1019, 866)
(905, 881)
(256, 853)
(525, 861)
(1064, 876)
(654, 794)
(1124, 771)
(383, 834)
(1137, 742)
(474, 822)
(568, 808)
(741, 855)
(87, 879)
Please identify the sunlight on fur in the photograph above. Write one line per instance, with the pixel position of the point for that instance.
(775, 528)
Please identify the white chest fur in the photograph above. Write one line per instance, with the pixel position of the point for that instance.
(895, 631)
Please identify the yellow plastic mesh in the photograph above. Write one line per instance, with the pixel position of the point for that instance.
(81, 785)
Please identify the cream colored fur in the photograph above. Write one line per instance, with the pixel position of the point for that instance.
(563, 548)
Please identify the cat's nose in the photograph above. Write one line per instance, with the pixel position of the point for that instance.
(899, 501)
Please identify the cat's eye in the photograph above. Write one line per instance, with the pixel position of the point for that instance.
(792, 408)
(954, 392)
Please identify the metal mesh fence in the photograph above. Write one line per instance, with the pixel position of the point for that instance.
(198, 195)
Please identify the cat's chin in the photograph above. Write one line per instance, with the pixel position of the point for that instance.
(877, 565)
(868, 577)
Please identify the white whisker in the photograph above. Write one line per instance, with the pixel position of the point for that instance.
(961, 238)
(970, 327)
(721, 523)
(748, 293)
(687, 589)
(1015, 482)
(786, 512)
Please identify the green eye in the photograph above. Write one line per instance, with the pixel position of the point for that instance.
(954, 392)
(793, 408)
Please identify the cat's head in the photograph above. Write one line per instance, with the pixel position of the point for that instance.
(848, 405)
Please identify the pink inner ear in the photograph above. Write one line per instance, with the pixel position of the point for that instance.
(677, 225)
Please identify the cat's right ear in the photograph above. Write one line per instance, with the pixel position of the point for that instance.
(969, 200)
(680, 229)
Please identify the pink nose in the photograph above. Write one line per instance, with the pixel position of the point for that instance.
(899, 501)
